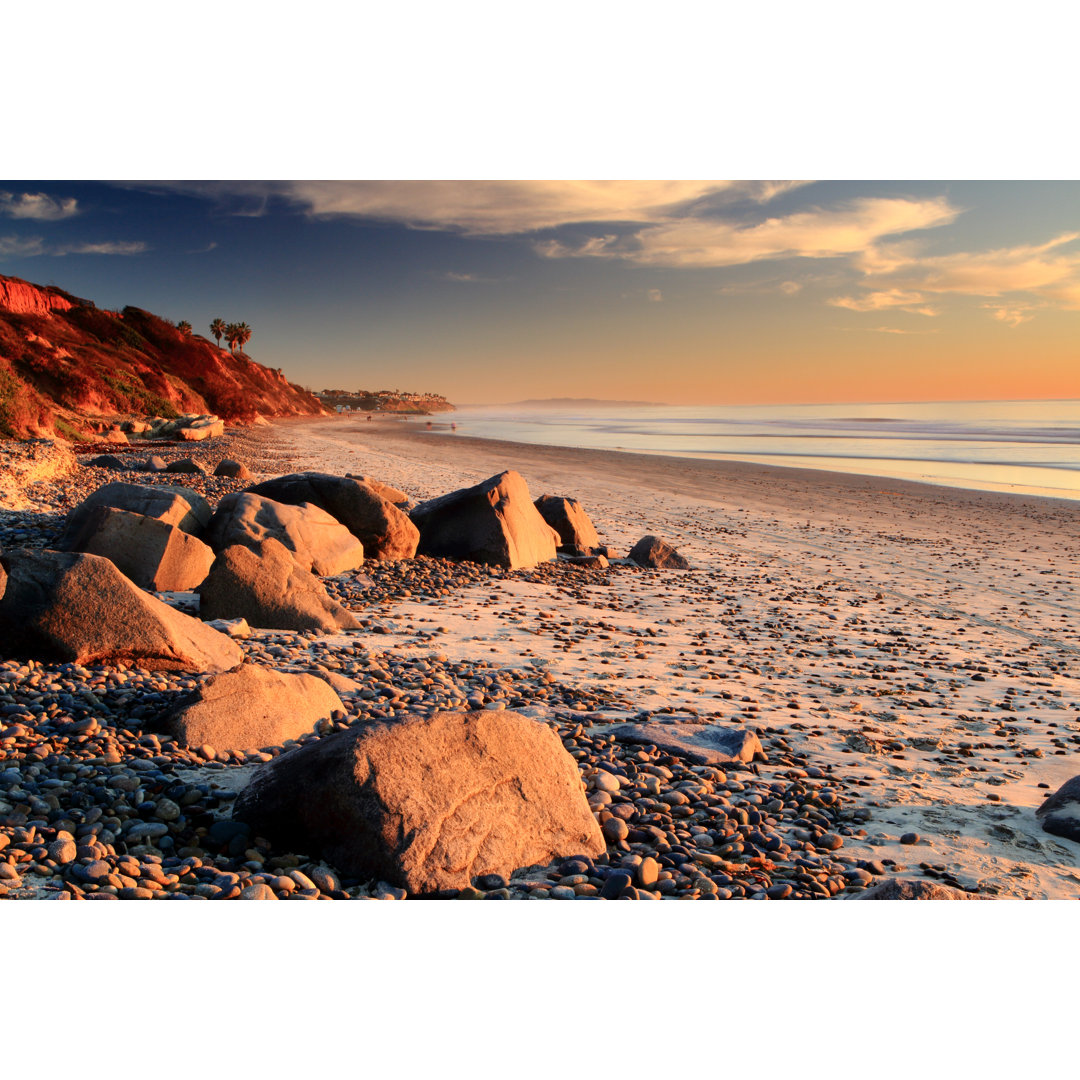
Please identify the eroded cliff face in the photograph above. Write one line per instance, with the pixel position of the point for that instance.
(67, 366)
(21, 298)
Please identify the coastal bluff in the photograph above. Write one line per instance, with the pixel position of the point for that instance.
(67, 366)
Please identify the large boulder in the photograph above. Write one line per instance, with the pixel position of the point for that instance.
(251, 707)
(1060, 814)
(371, 517)
(703, 744)
(79, 608)
(653, 552)
(264, 585)
(318, 541)
(174, 505)
(391, 494)
(577, 536)
(152, 553)
(427, 803)
(494, 522)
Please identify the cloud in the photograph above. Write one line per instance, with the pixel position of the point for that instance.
(203, 250)
(790, 288)
(912, 302)
(472, 279)
(814, 233)
(107, 247)
(19, 247)
(887, 330)
(1040, 268)
(1012, 314)
(486, 207)
(655, 296)
(37, 207)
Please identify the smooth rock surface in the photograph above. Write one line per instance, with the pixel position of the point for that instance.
(703, 744)
(1060, 814)
(913, 889)
(651, 551)
(153, 554)
(427, 803)
(174, 505)
(265, 586)
(318, 541)
(493, 522)
(80, 608)
(251, 707)
(577, 534)
(384, 530)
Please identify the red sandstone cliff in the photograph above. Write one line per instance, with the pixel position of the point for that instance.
(64, 364)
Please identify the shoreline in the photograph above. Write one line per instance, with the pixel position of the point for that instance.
(730, 469)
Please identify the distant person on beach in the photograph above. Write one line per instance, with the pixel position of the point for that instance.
(369, 417)
(429, 425)
(453, 427)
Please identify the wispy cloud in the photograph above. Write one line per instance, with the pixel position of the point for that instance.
(454, 275)
(815, 233)
(20, 247)
(36, 207)
(1049, 272)
(886, 330)
(912, 302)
(203, 250)
(1025, 268)
(655, 296)
(107, 247)
(486, 207)
(1012, 314)
(24, 247)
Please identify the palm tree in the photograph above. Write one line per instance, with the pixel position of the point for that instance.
(217, 328)
(184, 327)
(243, 335)
(232, 334)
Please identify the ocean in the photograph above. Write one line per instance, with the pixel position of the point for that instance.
(1027, 447)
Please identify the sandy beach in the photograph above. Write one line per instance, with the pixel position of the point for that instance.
(904, 653)
(919, 642)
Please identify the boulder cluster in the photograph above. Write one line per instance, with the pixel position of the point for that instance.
(428, 803)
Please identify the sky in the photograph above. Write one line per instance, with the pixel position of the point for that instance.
(684, 292)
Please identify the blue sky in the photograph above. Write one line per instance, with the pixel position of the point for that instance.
(679, 291)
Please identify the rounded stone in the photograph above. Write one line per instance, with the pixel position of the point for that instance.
(259, 891)
(615, 829)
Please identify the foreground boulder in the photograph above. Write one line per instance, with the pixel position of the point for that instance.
(79, 608)
(427, 803)
(913, 889)
(703, 744)
(153, 554)
(264, 585)
(494, 523)
(577, 536)
(384, 530)
(174, 505)
(318, 541)
(1060, 814)
(658, 554)
(391, 494)
(251, 707)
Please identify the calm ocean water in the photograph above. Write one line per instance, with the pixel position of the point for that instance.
(1030, 447)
